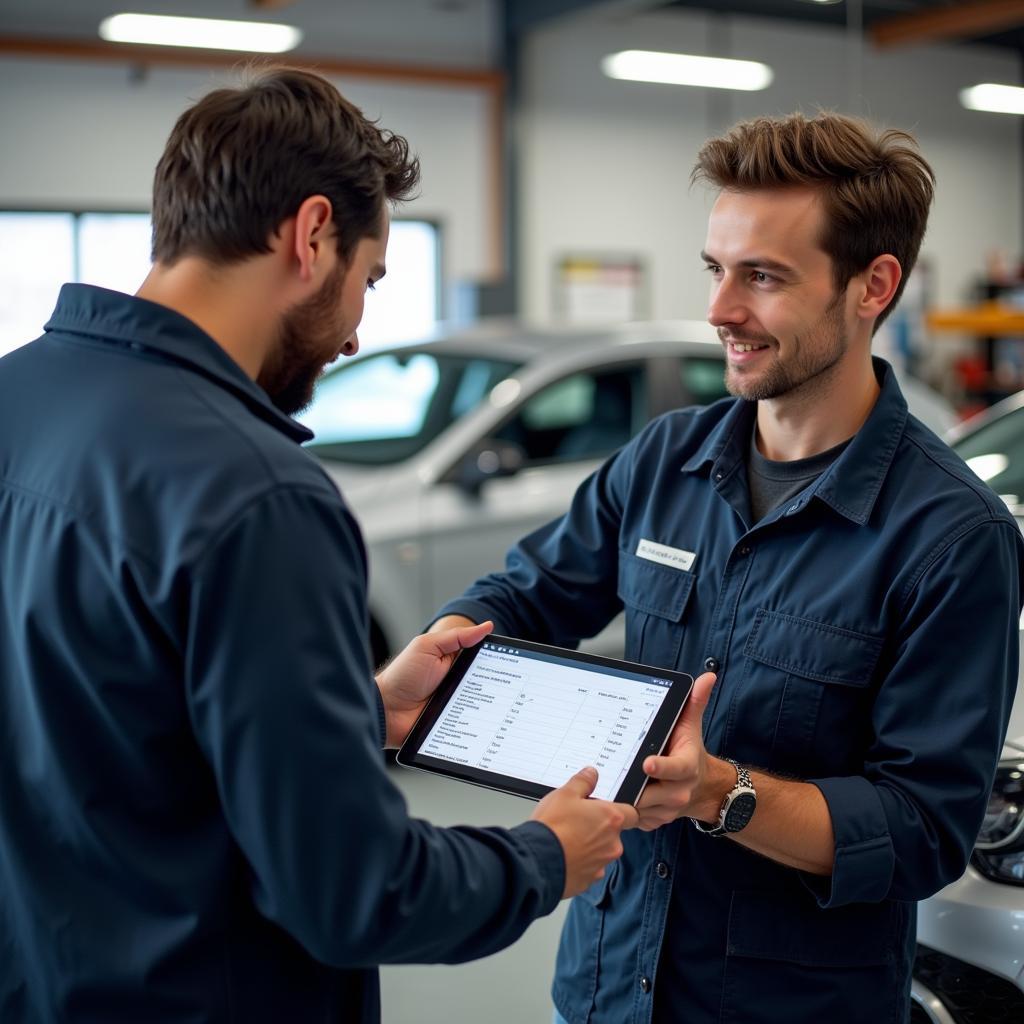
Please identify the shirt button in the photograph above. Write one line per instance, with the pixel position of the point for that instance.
(661, 869)
(745, 550)
(645, 983)
(718, 476)
(712, 665)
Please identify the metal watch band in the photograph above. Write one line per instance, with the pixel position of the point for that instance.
(744, 788)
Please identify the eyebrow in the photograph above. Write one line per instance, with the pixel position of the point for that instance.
(757, 262)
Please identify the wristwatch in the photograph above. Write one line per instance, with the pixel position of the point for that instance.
(737, 807)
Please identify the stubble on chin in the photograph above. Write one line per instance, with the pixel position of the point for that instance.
(808, 373)
(307, 343)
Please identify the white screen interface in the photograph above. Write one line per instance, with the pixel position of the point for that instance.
(532, 716)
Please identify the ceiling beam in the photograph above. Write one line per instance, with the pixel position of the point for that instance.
(958, 21)
(175, 56)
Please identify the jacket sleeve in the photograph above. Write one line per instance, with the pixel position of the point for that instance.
(906, 826)
(560, 582)
(286, 711)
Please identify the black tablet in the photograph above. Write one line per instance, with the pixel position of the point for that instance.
(523, 718)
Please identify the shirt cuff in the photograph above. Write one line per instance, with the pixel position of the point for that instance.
(864, 862)
(543, 845)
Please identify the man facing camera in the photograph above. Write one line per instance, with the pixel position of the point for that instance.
(195, 819)
(821, 557)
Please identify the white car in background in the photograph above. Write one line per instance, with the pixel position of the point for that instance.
(449, 451)
(970, 954)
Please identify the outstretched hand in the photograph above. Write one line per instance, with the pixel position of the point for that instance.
(408, 680)
(684, 780)
(589, 830)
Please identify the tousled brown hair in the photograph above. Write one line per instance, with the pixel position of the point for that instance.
(242, 160)
(876, 188)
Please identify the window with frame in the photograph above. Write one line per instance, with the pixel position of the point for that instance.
(41, 250)
(587, 415)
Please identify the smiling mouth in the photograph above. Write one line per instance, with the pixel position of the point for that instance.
(743, 346)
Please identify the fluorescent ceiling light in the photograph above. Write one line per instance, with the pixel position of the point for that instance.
(205, 33)
(683, 69)
(1000, 99)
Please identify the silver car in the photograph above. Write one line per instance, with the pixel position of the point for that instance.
(970, 961)
(449, 451)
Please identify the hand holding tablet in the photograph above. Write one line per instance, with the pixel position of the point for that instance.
(523, 718)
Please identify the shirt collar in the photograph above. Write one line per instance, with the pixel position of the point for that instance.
(127, 321)
(852, 483)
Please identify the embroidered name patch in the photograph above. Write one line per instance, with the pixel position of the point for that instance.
(676, 557)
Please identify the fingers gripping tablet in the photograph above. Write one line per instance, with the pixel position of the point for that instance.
(522, 718)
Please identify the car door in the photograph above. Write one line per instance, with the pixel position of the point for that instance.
(562, 431)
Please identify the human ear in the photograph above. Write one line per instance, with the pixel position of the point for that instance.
(878, 284)
(313, 231)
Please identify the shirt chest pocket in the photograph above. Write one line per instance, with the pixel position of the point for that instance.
(808, 687)
(655, 598)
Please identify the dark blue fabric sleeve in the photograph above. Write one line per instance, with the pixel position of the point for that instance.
(285, 709)
(560, 582)
(906, 827)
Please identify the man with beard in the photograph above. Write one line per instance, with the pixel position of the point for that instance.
(848, 589)
(195, 819)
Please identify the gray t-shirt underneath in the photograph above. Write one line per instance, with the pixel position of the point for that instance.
(772, 483)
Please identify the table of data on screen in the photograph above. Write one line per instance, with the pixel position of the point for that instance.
(518, 713)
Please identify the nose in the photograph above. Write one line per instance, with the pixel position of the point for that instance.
(725, 306)
(351, 347)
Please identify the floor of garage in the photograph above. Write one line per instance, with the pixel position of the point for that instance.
(511, 987)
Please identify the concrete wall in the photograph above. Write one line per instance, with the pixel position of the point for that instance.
(606, 163)
(86, 135)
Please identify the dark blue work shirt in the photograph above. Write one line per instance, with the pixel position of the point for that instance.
(195, 819)
(865, 639)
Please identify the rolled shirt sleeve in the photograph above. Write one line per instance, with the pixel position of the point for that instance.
(906, 827)
(285, 710)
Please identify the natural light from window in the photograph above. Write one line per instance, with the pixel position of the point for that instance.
(41, 251)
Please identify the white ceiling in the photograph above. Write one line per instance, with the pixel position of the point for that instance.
(455, 33)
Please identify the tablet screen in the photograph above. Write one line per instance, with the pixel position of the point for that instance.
(539, 714)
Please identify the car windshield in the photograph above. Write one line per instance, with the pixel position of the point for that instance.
(386, 407)
(996, 453)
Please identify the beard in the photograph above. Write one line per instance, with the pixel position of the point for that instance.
(807, 370)
(310, 336)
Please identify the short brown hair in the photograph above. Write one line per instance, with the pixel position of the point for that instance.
(877, 189)
(242, 160)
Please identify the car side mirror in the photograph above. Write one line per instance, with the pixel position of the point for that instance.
(486, 461)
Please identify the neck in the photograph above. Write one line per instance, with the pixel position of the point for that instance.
(810, 420)
(228, 303)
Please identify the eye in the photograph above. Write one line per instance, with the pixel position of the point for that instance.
(370, 285)
(762, 278)
(712, 268)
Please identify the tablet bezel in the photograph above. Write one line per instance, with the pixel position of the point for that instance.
(409, 755)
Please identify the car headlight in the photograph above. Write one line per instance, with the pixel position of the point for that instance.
(999, 851)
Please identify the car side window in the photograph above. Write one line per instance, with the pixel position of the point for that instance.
(703, 379)
(587, 415)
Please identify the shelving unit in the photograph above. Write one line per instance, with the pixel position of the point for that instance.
(997, 368)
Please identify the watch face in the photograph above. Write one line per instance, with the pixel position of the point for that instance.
(741, 810)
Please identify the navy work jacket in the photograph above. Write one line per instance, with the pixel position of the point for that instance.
(196, 824)
(865, 639)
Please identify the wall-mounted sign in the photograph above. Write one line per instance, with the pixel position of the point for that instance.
(599, 289)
